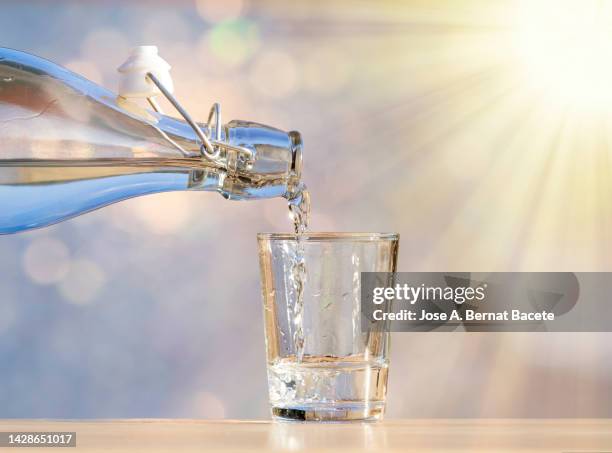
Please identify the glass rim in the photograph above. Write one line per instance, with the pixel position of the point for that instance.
(329, 236)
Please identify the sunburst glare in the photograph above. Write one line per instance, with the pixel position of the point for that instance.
(565, 47)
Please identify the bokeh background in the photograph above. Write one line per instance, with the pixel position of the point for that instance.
(478, 130)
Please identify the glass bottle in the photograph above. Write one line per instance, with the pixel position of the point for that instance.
(68, 146)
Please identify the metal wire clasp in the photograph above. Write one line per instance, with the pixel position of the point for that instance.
(209, 148)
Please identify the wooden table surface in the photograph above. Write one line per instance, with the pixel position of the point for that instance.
(559, 435)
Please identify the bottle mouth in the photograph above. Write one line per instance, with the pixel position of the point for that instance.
(296, 153)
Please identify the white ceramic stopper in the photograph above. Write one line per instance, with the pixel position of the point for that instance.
(132, 74)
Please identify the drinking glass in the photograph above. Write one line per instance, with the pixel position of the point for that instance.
(323, 364)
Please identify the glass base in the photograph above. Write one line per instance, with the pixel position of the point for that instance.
(326, 388)
(330, 413)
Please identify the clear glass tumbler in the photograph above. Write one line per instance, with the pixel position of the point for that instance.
(322, 364)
